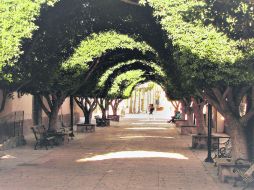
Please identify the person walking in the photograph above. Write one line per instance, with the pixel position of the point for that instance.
(151, 109)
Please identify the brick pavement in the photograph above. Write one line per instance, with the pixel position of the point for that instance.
(132, 155)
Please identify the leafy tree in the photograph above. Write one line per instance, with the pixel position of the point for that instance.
(211, 60)
(87, 105)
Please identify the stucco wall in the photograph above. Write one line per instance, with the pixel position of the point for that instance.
(16, 103)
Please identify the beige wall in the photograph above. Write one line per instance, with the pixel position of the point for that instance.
(220, 123)
(23, 103)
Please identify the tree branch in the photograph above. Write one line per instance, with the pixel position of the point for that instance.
(49, 101)
(44, 108)
(213, 100)
(224, 96)
(245, 119)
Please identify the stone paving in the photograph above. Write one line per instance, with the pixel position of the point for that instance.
(135, 154)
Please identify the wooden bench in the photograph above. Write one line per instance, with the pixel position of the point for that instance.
(200, 141)
(83, 127)
(42, 137)
(67, 132)
(59, 136)
(102, 122)
(244, 174)
(226, 170)
(221, 150)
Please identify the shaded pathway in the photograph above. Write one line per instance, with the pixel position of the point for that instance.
(87, 162)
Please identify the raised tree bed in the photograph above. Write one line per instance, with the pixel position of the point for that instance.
(200, 141)
(82, 127)
(180, 122)
(188, 129)
(114, 117)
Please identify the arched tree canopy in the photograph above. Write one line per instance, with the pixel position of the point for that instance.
(120, 66)
(98, 44)
(123, 84)
(83, 18)
(102, 84)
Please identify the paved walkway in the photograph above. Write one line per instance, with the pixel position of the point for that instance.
(133, 155)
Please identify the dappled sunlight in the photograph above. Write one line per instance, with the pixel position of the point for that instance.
(137, 137)
(7, 156)
(147, 128)
(134, 154)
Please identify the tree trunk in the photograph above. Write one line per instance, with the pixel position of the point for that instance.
(114, 109)
(139, 101)
(176, 105)
(135, 102)
(189, 114)
(104, 114)
(54, 102)
(249, 134)
(130, 108)
(87, 116)
(53, 117)
(3, 100)
(237, 134)
(227, 102)
(183, 109)
(198, 112)
(114, 104)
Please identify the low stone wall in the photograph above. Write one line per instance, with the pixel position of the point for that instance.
(226, 171)
(188, 129)
(13, 142)
(200, 141)
(82, 127)
(21, 140)
(180, 122)
(114, 117)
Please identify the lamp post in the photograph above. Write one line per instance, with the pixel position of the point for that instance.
(71, 110)
(209, 138)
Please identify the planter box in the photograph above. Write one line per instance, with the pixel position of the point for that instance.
(225, 171)
(82, 127)
(200, 141)
(180, 122)
(114, 117)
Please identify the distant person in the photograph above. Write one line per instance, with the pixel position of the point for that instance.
(176, 116)
(151, 109)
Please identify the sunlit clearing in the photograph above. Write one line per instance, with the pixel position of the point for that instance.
(7, 157)
(151, 123)
(137, 137)
(134, 154)
(148, 128)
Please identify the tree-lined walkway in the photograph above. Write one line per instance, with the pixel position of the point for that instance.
(133, 155)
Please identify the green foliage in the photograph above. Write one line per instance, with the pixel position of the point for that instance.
(124, 83)
(205, 54)
(234, 17)
(96, 45)
(157, 70)
(16, 23)
(205, 42)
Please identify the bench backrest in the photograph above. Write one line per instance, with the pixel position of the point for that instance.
(39, 131)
